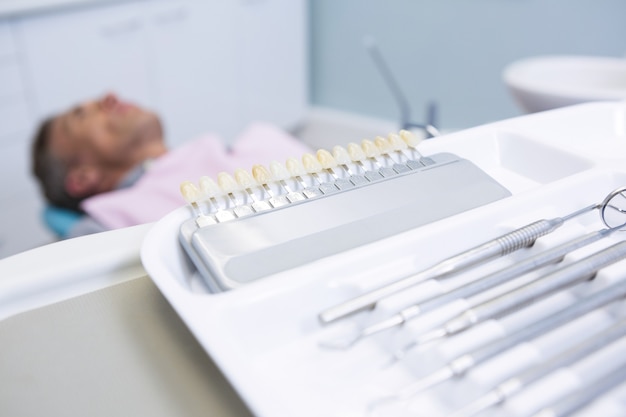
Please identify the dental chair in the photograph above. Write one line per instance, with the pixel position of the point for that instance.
(60, 220)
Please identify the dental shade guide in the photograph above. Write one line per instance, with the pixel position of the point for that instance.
(280, 174)
(192, 195)
(211, 192)
(325, 203)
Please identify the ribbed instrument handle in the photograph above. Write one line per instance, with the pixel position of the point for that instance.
(526, 236)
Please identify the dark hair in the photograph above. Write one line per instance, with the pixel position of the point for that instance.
(50, 170)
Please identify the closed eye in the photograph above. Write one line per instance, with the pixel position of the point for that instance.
(78, 112)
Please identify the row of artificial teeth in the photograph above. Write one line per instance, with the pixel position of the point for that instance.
(323, 160)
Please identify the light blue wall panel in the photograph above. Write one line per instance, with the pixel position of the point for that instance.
(451, 51)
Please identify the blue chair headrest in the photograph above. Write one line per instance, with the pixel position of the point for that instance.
(60, 220)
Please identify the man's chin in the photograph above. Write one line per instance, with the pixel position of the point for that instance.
(150, 129)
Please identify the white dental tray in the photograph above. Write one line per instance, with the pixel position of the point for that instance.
(265, 336)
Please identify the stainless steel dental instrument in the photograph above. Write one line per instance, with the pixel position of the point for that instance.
(539, 288)
(585, 395)
(510, 387)
(500, 246)
(475, 287)
(463, 363)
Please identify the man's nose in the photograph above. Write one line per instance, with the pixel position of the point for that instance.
(109, 101)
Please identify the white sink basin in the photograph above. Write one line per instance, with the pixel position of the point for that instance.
(547, 82)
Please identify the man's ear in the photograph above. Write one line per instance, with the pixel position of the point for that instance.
(82, 180)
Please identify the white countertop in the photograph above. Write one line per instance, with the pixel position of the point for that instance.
(78, 314)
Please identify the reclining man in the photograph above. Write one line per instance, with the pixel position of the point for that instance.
(106, 162)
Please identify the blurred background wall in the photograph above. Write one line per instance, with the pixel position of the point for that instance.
(449, 51)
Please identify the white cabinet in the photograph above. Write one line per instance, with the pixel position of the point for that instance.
(244, 61)
(271, 61)
(14, 113)
(204, 65)
(193, 55)
(20, 204)
(176, 57)
(78, 55)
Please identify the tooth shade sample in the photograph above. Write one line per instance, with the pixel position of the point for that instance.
(279, 171)
(311, 164)
(226, 182)
(356, 152)
(341, 155)
(370, 149)
(243, 178)
(208, 187)
(382, 144)
(261, 174)
(326, 159)
(409, 138)
(295, 167)
(190, 192)
(396, 142)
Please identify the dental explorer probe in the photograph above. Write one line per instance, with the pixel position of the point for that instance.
(585, 395)
(463, 363)
(490, 281)
(500, 246)
(574, 273)
(510, 387)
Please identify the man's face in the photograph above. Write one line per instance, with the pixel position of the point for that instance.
(100, 141)
(106, 132)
